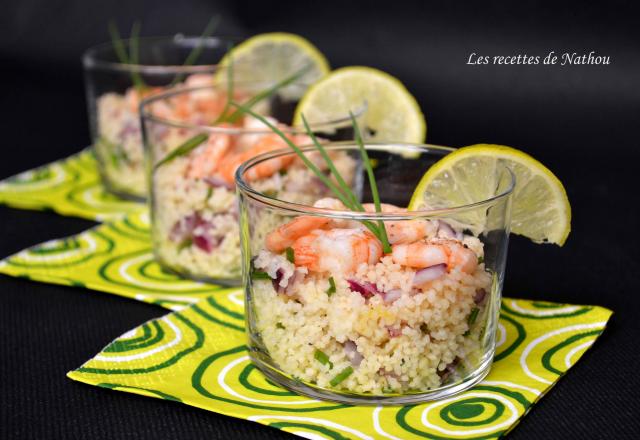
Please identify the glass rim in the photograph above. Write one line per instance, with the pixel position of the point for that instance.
(91, 56)
(297, 208)
(147, 115)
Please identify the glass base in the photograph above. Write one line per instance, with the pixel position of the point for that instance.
(122, 194)
(369, 399)
(227, 282)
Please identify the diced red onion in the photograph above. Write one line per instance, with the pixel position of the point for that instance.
(446, 230)
(276, 281)
(367, 290)
(479, 296)
(394, 332)
(184, 227)
(296, 278)
(354, 356)
(205, 242)
(217, 182)
(429, 274)
(392, 295)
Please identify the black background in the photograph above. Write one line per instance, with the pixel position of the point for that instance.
(581, 121)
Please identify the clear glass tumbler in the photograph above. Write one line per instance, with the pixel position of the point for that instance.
(333, 314)
(195, 230)
(114, 91)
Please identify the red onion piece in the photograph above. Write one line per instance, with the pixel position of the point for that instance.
(392, 295)
(479, 296)
(429, 274)
(217, 182)
(367, 290)
(354, 356)
(276, 281)
(394, 332)
(205, 242)
(446, 230)
(183, 228)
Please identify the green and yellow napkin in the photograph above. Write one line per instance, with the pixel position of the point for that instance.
(70, 187)
(196, 355)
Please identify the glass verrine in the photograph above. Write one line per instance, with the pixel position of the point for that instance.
(114, 91)
(195, 230)
(332, 315)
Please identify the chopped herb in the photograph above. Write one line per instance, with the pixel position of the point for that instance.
(480, 259)
(282, 172)
(332, 286)
(290, 256)
(188, 146)
(259, 275)
(341, 376)
(197, 50)
(322, 358)
(473, 315)
(279, 325)
(424, 328)
(185, 244)
(209, 193)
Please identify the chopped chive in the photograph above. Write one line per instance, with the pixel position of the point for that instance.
(259, 275)
(290, 256)
(341, 376)
(197, 50)
(322, 358)
(332, 286)
(279, 325)
(209, 193)
(185, 148)
(372, 182)
(185, 244)
(269, 92)
(472, 316)
(480, 259)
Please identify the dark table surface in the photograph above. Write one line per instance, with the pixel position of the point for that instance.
(581, 121)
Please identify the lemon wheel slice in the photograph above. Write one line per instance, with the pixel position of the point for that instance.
(268, 58)
(392, 113)
(540, 209)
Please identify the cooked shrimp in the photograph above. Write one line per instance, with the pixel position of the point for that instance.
(207, 161)
(133, 96)
(336, 250)
(284, 236)
(264, 169)
(407, 231)
(403, 231)
(421, 254)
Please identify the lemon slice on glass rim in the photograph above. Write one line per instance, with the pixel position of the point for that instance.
(268, 58)
(393, 114)
(540, 209)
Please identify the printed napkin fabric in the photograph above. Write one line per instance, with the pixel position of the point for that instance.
(70, 187)
(196, 354)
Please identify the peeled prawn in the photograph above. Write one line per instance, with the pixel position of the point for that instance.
(336, 250)
(207, 161)
(421, 255)
(284, 236)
